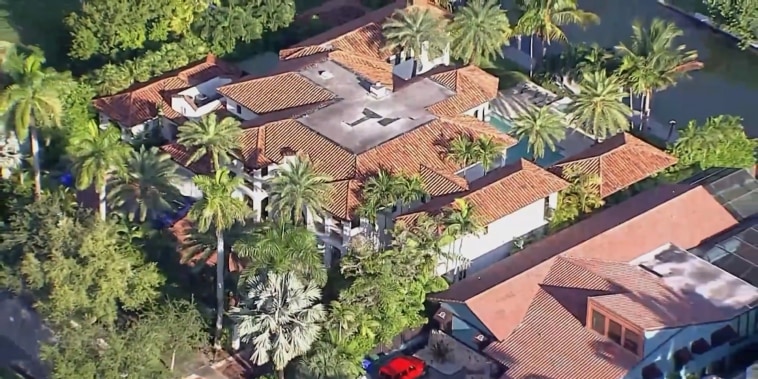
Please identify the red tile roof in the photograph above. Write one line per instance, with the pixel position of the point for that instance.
(560, 307)
(140, 102)
(680, 214)
(276, 93)
(619, 162)
(500, 193)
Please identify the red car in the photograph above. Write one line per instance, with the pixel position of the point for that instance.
(403, 367)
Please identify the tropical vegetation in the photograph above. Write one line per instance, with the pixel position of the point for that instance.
(107, 281)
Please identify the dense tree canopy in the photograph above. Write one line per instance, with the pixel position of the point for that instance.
(739, 17)
(720, 142)
(76, 267)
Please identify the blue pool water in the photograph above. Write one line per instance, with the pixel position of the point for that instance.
(521, 149)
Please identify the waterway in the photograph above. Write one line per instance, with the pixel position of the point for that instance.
(727, 85)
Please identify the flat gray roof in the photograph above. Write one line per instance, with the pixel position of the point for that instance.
(684, 272)
(358, 121)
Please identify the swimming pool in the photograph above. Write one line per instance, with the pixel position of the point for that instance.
(521, 149)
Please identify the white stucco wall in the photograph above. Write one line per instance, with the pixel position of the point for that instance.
(660, 345)
(245, 113)
(494, 245)
(184, 183)
(481, 112)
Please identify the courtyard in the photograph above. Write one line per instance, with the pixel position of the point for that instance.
(516, 100)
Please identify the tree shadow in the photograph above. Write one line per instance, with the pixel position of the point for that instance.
(40, 23)
(22, 332)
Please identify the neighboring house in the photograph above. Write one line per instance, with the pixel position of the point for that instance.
(163, 103)
(628, 264)
(617, 162)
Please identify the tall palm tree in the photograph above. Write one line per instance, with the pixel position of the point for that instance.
(280, 248)
(298, 187)
(341, 317)
(462, 150)
(218, 139)
(220, 211)
(544, 18)
(479, 31)
(599, 108)
(32, 99)
(651, 62)
(279, 316)
(542, 128)
(145, 187)
(96, 154)
(459, 221)
(415, 31)
(488, 150)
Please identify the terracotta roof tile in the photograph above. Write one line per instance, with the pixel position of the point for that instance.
(140, 102)
(276, 93)
(251, 142)
(328, 157)
(181, 155)
(439, 184)
(560, 306)
(500, 193)
(181, 231)
(344, 198)
(472, 86)
(680, 214)
(375, 71)
(619, 162)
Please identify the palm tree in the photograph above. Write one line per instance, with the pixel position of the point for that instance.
(545, 18)
(415, 31)
(280, 248)
(145, 187)
(462, 150)
(341, 317)
(479, 31)
(488, 150)
(542, 129)
(220, 211)
(460, 220)
(280, 316)
(381, 189)
(652, 63)
(298, 187)
(110, 79)
(599, 109)
(96, 154)
(211, 137)
(334, 356)
(409, 188)
(33, 100)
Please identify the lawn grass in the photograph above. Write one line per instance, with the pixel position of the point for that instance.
(37, 23)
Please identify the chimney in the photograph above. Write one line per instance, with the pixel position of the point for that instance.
(210, 58)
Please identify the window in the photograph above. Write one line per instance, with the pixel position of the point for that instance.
(476, 114)
(614, 331)
(355, 222)
(239, 109)
(631, 341)
(485, 230)
(264, 171)
(598, 322)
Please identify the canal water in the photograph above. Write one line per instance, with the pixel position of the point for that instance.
(727, 85)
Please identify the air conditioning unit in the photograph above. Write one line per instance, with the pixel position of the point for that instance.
(379, 91)
(201, 97)
(326, 75)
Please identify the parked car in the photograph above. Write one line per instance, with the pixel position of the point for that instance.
(403, 367)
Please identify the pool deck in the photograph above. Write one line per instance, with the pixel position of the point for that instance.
(511, 102)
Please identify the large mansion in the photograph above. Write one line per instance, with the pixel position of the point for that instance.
(355, 109)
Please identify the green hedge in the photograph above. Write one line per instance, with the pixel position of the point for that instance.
(111, 78)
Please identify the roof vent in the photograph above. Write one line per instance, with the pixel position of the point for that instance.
(379, 91)
(326, 75)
